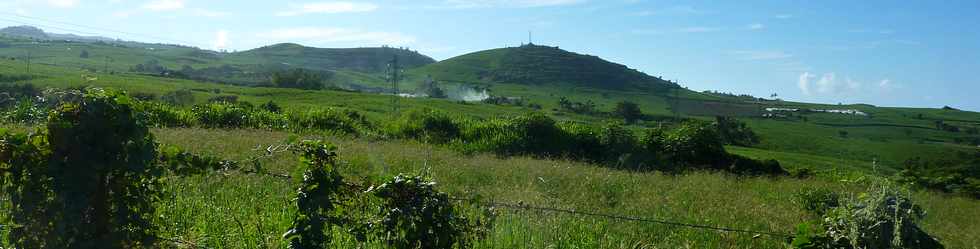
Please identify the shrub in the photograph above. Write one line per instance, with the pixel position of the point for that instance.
(163, 115)
(320, 186)
(581, 142)
(746, 166)
(228, 115)
(694, 143)
(182, 97)
(86, 181)
(184, 163)
(415, 215)
(883, 217)
(271, 107)
(735, 132)
(618, 144)
(426, 125)
(341, 121)
(628, 111)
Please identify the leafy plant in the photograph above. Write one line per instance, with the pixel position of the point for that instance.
(319, 188)
(415, 215)
(99, 195)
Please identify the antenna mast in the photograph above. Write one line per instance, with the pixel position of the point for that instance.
(529, 41)
(393, 77)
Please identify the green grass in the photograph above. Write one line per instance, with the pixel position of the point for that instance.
(256, 209)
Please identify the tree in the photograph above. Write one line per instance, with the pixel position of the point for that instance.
(298, 78)
(628, 111)
(87, 180)
(84, 54)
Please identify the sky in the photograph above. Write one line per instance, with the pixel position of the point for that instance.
(885, 53)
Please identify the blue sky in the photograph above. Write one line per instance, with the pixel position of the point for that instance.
(889, 53)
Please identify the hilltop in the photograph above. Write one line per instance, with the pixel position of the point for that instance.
(367, 60)
(541, 65)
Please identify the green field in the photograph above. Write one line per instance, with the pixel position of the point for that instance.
(256, 209)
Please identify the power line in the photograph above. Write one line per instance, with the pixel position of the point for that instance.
(89, 27)
(626, 218)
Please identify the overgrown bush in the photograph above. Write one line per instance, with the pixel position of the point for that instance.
(415, 215)
(229, 115)
(184, 163)
(87, 180)
(735, 132)
(694, 143)
(882, 217)
(618, 144)
(182, 97)
(959, 175)
(320, 185)
(425, 125)
(341, 121)
(164, 115)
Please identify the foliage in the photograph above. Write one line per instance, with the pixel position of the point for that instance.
(694, 143)
(415, 215)
(618, 144)
(735, 132)
(229, 115)
(961, 175)
(630, 112)
(182, 97)
(587, 107)
(425, 125)
(340, 121)
(184, 163)
(882, 217)
(817, 200)
(320, 187)
(298, 78)
(99, 195)
(271, 107)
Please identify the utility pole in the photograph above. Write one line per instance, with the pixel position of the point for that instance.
(30, 76)
(529, 41)
(393, 77)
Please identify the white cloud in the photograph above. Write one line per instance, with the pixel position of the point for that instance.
(755, 26)
(466, 4)
(63, 3)
(220, 40)
(804, 82)
(784, 16)
(164, 5)
(330, 34)
(754, 55)
(827, 84)
(327, 8)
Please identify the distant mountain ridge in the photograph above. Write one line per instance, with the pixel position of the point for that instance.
(535, 64)
(367, 59)
(37, 33)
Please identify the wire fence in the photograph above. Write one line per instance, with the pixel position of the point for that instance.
(526, 226)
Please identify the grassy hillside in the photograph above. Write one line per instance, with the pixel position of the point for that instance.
(841, 148)
(539, 65)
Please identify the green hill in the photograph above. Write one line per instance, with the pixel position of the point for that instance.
(542, 65)
(367, 60)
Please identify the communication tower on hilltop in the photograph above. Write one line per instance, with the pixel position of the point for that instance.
(392, 75)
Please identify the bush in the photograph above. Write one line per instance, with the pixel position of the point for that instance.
(735, 132)
(271, 107)
(415, 215)
(694, 143)
(746, 166)
(228, 115)
(163, 115)
(182, 97)
(883, 217)
(340, 121)
(319, 189)
(618, 144)
(426, 125)
(86, 181)
(628, 111)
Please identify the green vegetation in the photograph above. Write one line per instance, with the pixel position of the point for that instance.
(546, 137)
